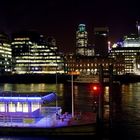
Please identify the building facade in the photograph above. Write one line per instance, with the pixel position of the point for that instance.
(81, 40)
(128, 51)
(101, 41)
(5, 54)
(90, 65)
(32, 54)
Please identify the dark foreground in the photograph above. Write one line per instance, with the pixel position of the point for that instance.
(88, 129)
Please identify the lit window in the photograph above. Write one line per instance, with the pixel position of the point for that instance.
(34, 106)
(12, 107)
(25, 107)
(19, 107)
(2, 107)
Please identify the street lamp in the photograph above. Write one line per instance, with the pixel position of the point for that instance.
(72, 95)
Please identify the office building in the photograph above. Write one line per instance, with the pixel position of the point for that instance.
(128, 51)
(81, 40)
(32, 54)
(5, 54)
(52, 43)
(101, 41)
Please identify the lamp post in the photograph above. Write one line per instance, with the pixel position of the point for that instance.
(72, 96)
(56, 85)
(56, 90)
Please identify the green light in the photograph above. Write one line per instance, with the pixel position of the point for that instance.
(82, 27)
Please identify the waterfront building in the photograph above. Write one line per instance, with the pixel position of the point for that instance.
(32, 54)
(5, 54)
(128, 51)
(88, 64)
(101, 41)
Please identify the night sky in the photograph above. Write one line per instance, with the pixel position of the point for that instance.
(60, 18)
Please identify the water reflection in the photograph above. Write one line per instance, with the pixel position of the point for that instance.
(127, 117)
(83, 96)
(41, 87)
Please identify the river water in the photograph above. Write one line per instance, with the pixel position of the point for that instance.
(83, 95)
(127, 116)
(127, 110)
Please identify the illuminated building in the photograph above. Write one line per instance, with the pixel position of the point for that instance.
(101, 41)
(5, 54)
(52, 44)
(128, 51)
(32, 54)
(81, 40)
(86, 64)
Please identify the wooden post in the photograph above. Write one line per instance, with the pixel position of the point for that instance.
(100, 110)
(101, 95)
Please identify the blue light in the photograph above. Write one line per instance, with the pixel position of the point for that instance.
(20, 99)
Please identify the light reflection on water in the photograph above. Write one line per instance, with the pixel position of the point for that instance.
(41, 87)
(82, 94)
(128, 113)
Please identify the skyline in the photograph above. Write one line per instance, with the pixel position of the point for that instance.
(60, 19)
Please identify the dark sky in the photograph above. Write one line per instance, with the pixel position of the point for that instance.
(60, 18)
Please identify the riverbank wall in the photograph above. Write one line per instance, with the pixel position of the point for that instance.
(35, 78)
(59, 78)
(127, 78)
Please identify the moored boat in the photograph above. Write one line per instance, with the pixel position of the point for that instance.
(86, 79)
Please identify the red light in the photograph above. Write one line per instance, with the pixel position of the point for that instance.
(95, 88)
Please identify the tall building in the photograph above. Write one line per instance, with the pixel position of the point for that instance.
(5, 54)
(81, 40)
(52, 43)
(101, 41)
(31, 54)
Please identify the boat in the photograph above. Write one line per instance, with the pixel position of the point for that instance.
(86, 79)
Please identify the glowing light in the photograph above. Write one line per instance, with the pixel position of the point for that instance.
(114, 45)
(20, 99)
(19, 107)
(95, 88)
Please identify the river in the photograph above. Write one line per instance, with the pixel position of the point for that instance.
(127, 112)
(82, 93)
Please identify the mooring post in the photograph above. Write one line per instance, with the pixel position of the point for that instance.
(110, 95)
(100, 110)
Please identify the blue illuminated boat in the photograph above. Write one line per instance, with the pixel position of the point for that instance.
(26, 109)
